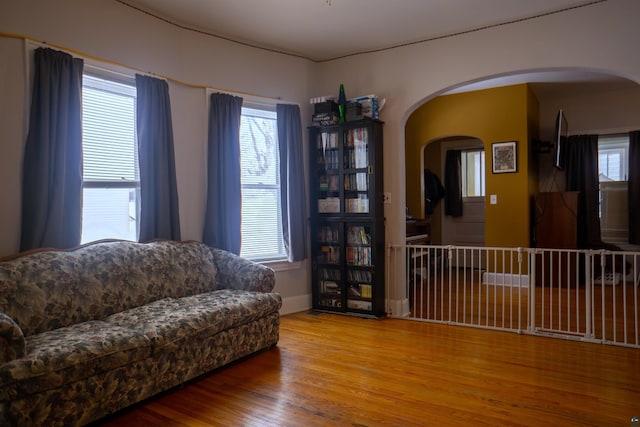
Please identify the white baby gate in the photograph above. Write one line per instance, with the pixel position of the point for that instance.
(590, 295)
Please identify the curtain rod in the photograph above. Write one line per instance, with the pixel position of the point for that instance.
(118, 64)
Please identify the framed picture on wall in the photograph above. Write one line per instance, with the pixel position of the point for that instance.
(504, 157)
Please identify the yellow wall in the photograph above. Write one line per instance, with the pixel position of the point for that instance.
(492, 115)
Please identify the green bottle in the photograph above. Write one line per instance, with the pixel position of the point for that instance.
(342, 104)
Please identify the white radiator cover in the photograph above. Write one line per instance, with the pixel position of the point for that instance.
(505, 279)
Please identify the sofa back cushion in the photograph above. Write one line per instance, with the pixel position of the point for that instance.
(49, 289)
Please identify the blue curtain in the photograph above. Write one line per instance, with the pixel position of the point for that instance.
(52, 168)
(292, 183)
(224, 198)
(159, 214)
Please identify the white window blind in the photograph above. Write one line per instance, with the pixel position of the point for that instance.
(260, 179)
(613, 155)
(110, 160)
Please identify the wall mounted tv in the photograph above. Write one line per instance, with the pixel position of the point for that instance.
(560, 140)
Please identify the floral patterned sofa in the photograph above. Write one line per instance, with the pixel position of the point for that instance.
(89, 331)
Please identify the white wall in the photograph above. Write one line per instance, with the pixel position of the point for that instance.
(108, 30)
(600, 37)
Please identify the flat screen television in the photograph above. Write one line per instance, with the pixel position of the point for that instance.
(560, 140)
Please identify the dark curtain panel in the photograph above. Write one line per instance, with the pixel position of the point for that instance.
(292, 183)
(159, 217)
(453, 183)
(224, 199)
(52, 168)
(582, 175)
(634, 187)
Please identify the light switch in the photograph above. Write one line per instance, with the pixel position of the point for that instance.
(493, 199)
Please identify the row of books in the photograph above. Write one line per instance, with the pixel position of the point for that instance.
(329, 183)
(329, 254)
(356, 182)
(327, 140)
(357, 136)
(330, 288)
(359, 276)
(358, 235)
(359, 255)
(357, 158)
(329, 274)
(329, 159)
(362, 290)
(357, 205)
(328, 234)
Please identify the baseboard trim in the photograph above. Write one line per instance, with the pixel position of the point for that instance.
(295, 304)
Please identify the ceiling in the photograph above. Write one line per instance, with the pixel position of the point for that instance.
(322, 30)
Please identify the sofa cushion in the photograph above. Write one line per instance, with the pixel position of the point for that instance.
(170, 320)
(72, 353)
(230, 307)
(161, 321)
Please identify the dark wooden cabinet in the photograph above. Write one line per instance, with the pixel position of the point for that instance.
(557, 228)
(557, 220)
(347, 217)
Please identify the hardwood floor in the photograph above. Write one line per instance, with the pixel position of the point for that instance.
(345, 371)
(615, 310)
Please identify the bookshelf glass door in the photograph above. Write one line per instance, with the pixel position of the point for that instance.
(359, 267)
(328, 261)
(357, 169)
(327, 170)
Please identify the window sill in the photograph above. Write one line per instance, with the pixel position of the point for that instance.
(282, 265)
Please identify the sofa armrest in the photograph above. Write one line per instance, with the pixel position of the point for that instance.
(240, 273)
(12, 342)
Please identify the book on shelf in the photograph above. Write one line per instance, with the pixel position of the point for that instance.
(365, 290)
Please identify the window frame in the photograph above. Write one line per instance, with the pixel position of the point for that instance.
(617, 142)
(482, 175)
(280, 258)
(120, 78)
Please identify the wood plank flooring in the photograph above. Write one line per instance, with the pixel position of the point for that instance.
(337, 370)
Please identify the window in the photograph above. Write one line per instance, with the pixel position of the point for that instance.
(613, 167)
(613, 154)
(472, 163)
(111, 180)
(260, 182)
